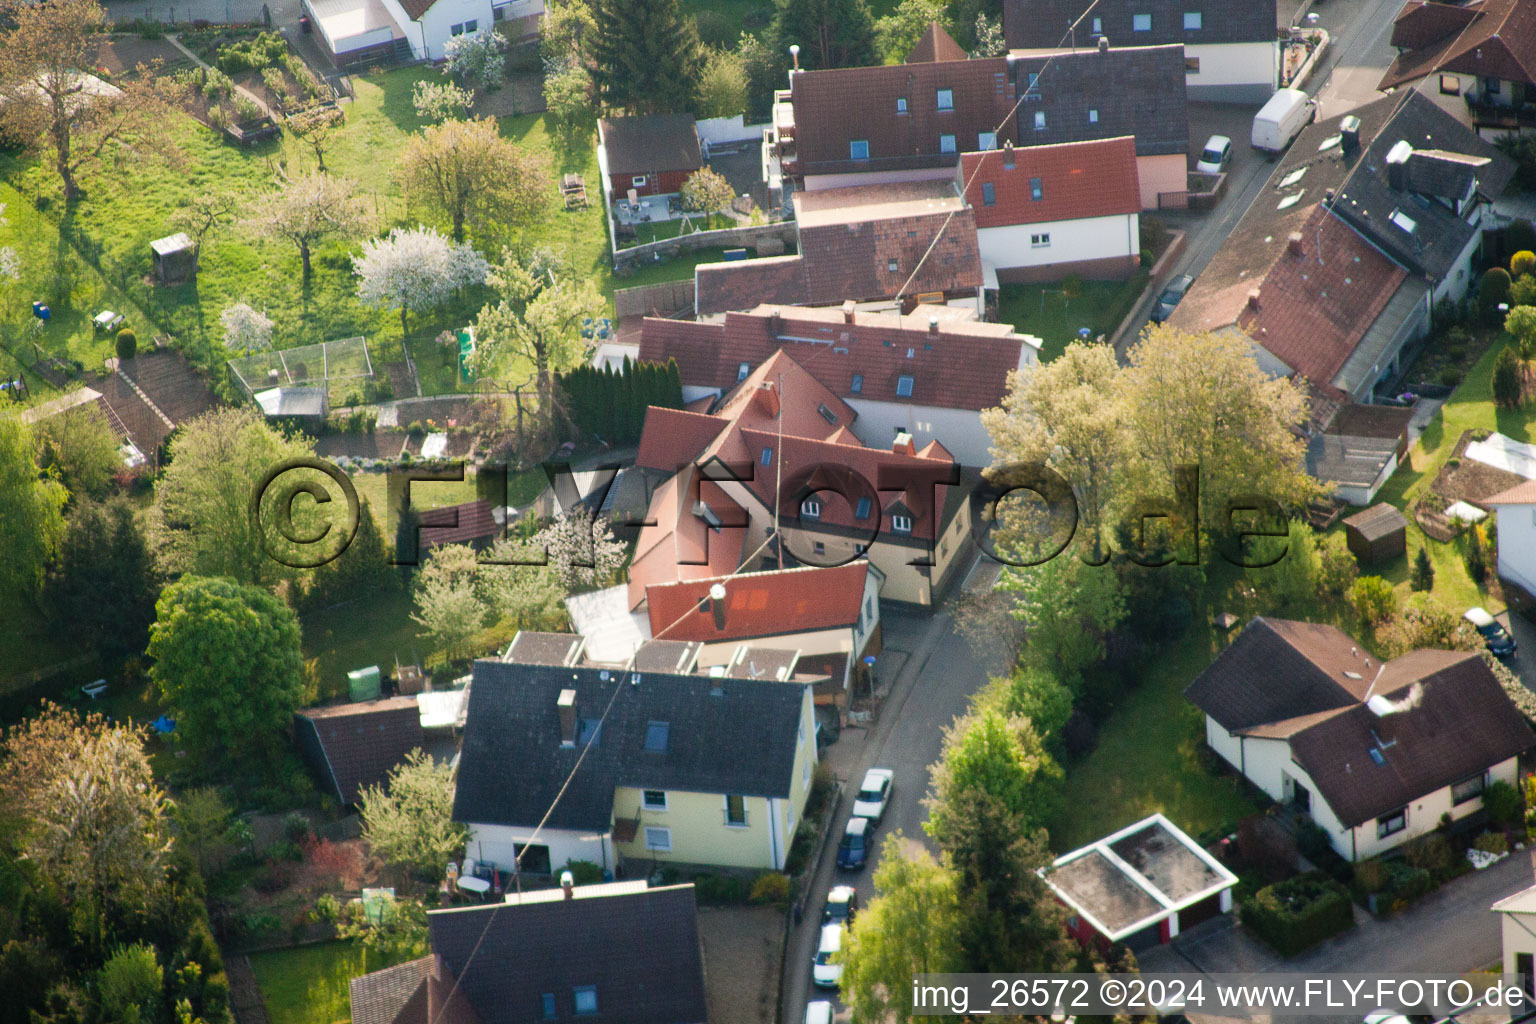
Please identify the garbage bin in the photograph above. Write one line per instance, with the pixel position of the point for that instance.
(304, 25)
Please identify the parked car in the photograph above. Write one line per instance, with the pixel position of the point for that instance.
(824, 972)
(1281, 119)
(1171, 297)
(874, 794)
(1213, 159)
(842, 905)
(818, 1011)
(1495, 637)
(854, 848)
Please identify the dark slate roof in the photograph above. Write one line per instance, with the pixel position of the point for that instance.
(739, 738)
(396, 993)
(639, 949)
(458, 524)
(1137, 90)
(1488, 38)
(361, 742)
(1367, 199)
(1457, 722)
(651, 144)
(1030, 24)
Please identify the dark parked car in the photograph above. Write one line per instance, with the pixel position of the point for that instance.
(842, 905)
(854, 849)
(1498, 641)
(1170, 297)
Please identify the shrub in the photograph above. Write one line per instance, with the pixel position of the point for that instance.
(770, 887)
(1492, 290)
(1299, 913)
(127, 343)
(800, 848)
(584, 871)
(1507, 385)
(246, 109)
(1422, 575)
(1522, 262)
(1491, 842)
(1451, 376)
(1501, 802)
(1311, 840)
(1336, 568)
(1370, 876)
(1456, 352)
(260, 51)
(721, 890)
(1401, 884)
(1431, 851)
(296, 826)
(1373, 598)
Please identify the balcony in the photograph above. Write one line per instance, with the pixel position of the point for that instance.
(1494, 115)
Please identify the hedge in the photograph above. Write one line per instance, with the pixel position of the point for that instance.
(1299, 913)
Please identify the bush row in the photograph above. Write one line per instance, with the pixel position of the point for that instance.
(1299, 912)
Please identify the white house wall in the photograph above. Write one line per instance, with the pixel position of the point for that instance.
(443, 15)
(411, 29)
(1519, 935)
(958, 430)
(1234, 72)
(1458, 279)
(1072, 241)
(494, 844)
(1517, 544)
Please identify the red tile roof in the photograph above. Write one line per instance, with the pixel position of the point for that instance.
(964, 365)
(760, 603)
(935, 45)
(669, 431)
(1077, 179)
(1315, 307)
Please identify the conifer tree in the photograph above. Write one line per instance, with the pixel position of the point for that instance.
(645, 56)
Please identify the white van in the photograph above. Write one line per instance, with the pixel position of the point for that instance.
(818, 1012)
(1281, 119)
(824, 972)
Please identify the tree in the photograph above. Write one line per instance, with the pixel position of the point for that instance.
(1202, 400)
(568, 97)
(245, 330)
(1422, 575)
(581, 550)
(391, 928)
(318, 126)
(1521, 325)
(722, 85)
(227, 664)
(830, 33)
(1508, 388)
(308, 209)
(440, 101)
(361, 570)
(989, 38)
(414, 269)
(706, 191)
(1336, 567)
(103, 582)
(468, 174)
(644, 56)
(765, 65)
(409, 823)
(80, 448)
(536, 322)
(128, 985)
(526, 595)
(203, 824)
(1492, 289)
(991, 752)
(48, 103)
(201, 213)
(1424, 623)
(450, 604)
(1292, 582)
(1034, 693)
(31, 510)
(1522, 263)
(1068, 609)
(202, 520)
(1373, 599)
(912, 927)
(899, 31)
(479, 61)
(87, 812)
(127, 344)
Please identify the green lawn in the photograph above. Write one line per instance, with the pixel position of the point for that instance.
(308, 985)
(372, 632)
(1044, 311)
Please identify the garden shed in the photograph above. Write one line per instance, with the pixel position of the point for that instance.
(174, 258)
(1378, 534)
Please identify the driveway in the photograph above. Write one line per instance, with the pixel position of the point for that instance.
(939, 672)
(1524, 634)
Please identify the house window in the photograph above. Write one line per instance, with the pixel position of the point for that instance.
(1036, 189)
(1098, 26)
(1469, 788)
(656, 736)
(638, 181)
(858, 149)
(805, 775)
(946, 143)
(817, 547)
(1039, 120)
(658, 838)
(1191, 65)
(1491, 86)
(986, 140)
(988, 194)
(1141, 23)
(891, 265)
(1450, 85)
(586, 1000)
(742, 369)
(861, 510)
(1042, 241)
(736, 811)
(1191, 21)
(945, 99)
(1093, 116)
(767, 458)
(901, 104)
(547, 1000)
(826, 414)
(655, 799)
(904, 385)
(1034, 76)
(810, 508)
(1388, 824)
(901, 524)
(857, 384)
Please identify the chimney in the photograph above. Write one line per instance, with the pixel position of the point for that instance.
(1397, 165)
(568, 884)
(775, 323)
(933, 324)
(767, 399)
(565, 704)
(847, 311)
(903, 444)
(1253, 300)
(1103, 44)
(1349, 133)
(1008, 155)
(1293, 244)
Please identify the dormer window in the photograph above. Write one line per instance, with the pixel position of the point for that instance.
(988, 194)
(1191, 21)
(1039, 120)
(1098, 26)
(810, 508)
(901, 524)
(904, 385)
(1036, 189)
(742, 369)
(857, 384)
(944, 99)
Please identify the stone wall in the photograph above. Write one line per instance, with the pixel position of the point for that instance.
(763, 239)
